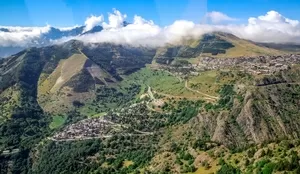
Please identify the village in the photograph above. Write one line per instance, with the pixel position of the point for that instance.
(88, 128)
(106, 126)
(253, 65)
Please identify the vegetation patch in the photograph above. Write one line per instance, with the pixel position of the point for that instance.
(57, 121)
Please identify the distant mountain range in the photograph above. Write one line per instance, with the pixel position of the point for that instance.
(46, 38)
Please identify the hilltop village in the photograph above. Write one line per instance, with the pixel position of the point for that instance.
(254, 65)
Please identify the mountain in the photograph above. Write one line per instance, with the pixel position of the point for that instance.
(93, 30)
(73, 65)
(292, 47)
(216, 104)
(217, 44)
(46, 38)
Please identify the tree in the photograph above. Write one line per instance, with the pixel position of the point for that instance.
(228, 169)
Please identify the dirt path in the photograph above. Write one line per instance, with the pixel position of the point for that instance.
(179, 78)
(173, 96)
(79, 139)
(144, 133)
(150, 93)
(151, 109)
(141, 133)
(206, 95)
(176, 96)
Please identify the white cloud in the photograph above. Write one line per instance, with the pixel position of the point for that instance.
(140, 32)
(271, 27)
(92, 21)
(67, 28)
(21, 36)
(218, 17)
(115, 19)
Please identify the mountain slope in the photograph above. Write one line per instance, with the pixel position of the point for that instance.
(292, 47)
(245, 47)
(61, 70)
(27, 90)
(217, 44)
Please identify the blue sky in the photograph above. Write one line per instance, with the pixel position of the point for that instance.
(63, 13)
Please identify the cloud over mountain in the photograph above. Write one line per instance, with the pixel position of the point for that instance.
(20, 36)
(271, 27)
(217, 17)
(92, 21)
(115, 20)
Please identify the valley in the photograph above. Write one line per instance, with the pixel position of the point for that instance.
(217, 104)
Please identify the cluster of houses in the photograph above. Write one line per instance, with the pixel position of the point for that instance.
(254, 65)
(105, 126)
(88, 128)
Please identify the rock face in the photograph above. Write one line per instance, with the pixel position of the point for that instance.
(263, 116)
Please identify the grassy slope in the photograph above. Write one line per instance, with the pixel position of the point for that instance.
(57, 121)
(245, 48)
(65, 70)
(70, 67)
(159, 81)
(210, 82)
(9, 97)
(205, 82)
(50, 90)
(9, 100)
(46, 81)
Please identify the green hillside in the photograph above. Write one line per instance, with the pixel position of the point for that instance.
(209, 105)
(217, 44)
